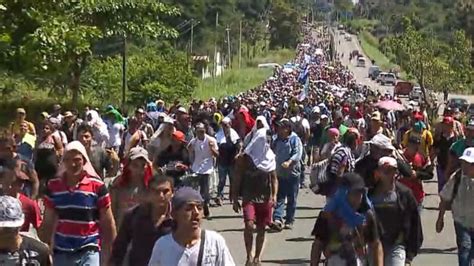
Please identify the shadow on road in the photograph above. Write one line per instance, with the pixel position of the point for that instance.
(306, 217)
(216, 217)
(431, 208)
(300, 239)
(231, 230)
(288, 261)
(438, 251)
(308, 208)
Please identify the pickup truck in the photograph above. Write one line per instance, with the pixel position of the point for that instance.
(403, 88)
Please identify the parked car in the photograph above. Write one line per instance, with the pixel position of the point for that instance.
(416, 94)
(361, 62)
(348, 37)
(388, 78)
(470, 111)
(460, 103)
(380, 76)
(373, 72)
(403, 88)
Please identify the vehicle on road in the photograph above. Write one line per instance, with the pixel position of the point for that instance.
(268, 65)
(388, 78)
(340, 27)
(403, 88)
(416, 94)
(470, 111)
(380, 76)
(361, 62)
(460, 103)
(373, 72)
(348, 37)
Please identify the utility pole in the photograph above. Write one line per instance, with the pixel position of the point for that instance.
(229, 56)
(240, 44)
(215, 45)
(192, 36)
(124, 71)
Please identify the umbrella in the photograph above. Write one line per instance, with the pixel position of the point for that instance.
(390, 105)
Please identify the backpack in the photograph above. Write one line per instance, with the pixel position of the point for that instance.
(320, 178)
(298, 128)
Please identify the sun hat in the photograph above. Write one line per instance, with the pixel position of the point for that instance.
(381, 141)
(179, 136)
(11, 213)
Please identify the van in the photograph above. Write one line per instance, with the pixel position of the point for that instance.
(360, 62)
(373, 72)
(388, 78)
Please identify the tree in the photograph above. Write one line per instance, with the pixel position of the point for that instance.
(56, 39)
(284, 25)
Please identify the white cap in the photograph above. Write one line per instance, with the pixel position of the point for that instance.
(382, 142)
(182, 110)
(324, 116)
(468, 155)
(388, 161)
(316, 110)
(262, 103)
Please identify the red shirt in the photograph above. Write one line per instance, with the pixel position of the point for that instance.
(31, 211)
(417, 161)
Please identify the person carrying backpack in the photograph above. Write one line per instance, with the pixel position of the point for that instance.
(458, 196)
(302, 128)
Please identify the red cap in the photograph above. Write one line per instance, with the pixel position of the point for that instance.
(448, 120)
(179, 136)
(418, 116)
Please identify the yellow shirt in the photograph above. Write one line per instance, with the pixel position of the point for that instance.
(15, 128)
(426, 140)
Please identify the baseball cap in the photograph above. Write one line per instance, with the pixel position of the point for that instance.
(448, 120)
(316, 110)
(140, 110)
(182, 110)
(45, 114)
(199, 126)
(284, 123)
(468, 155)
(376, 116)
(382, 142)
(138, 153)
(179, 136)
(20, 111)
(185, 195)
(11, 214)
(324, 117)
(353, 181)
(388, 161)
(56, 107)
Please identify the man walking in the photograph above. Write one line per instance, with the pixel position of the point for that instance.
(78, 212)
(289, 150)
(188, 244)
(256, 182)
(458, 195)
(203, 149)
(17, 249)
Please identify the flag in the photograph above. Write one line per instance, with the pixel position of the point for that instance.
(304, 93)
(304, 75)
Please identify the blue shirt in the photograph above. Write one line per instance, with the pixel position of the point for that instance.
(290, 148)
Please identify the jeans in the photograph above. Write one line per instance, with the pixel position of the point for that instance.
(440, 171)
(303, 168)
(287, 190)
(80, 258)
(394, 255)
(204, 187)
(224, 171)
(464, 239)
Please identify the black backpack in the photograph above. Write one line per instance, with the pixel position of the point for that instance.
(298, 128)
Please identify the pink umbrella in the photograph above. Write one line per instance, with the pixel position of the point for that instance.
(390, 105)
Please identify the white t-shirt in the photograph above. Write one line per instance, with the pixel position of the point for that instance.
(115, 138)
(167, 252)
(203, 162)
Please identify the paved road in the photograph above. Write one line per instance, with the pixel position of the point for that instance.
(292, 247)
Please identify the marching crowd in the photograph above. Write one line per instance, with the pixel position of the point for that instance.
(104, 188)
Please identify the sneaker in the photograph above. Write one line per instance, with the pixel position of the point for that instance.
(207, 213)
(218, 201)
(288, 226)
(277, 226)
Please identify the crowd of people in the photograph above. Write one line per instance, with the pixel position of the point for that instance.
(104, 188)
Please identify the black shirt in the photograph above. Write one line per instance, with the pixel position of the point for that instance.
(31, 252)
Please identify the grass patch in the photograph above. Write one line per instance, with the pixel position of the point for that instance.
(233, 81)
(373, 52)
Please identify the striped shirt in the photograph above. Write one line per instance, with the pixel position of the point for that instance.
(342, 157)
(78, 212)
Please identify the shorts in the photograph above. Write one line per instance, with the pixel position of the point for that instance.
(259, 213)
